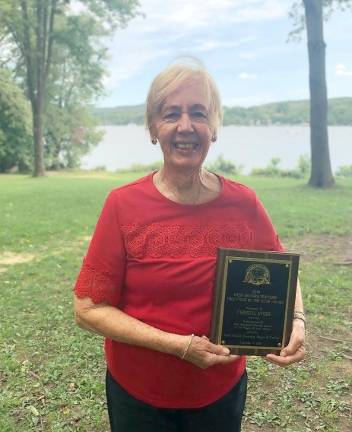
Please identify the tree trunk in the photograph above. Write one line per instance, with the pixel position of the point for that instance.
(40, 28)
(34, 50)
(39, 169)
(321, 173)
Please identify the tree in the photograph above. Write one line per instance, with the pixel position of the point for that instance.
(70, 133)
(314, 12)
(15, 126)
(34, 29)
(76, 78)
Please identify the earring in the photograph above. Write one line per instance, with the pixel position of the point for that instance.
(154, 141)
(214, 137)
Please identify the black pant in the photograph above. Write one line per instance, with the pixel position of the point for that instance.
(128, 414)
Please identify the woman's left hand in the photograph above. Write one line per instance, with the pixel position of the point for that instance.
(295, 350)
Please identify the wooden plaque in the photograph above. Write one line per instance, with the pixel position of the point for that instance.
(254, 300)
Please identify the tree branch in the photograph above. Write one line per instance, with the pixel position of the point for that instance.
(27, 51)
(39, 53)
(50, 37)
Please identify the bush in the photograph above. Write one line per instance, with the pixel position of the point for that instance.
(273, 170)
(224, 166)
(293, 173)
(100, 168)
(303, 165)
(138, 167)
(344, 171)
(15, 126)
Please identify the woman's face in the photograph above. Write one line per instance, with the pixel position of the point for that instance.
(182, 126)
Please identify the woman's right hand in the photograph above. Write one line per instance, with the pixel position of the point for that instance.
(203, 353)
(115, 324)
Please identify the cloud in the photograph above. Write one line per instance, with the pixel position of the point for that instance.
(247, 76)
(174, 27)
(220, 44)
(182, 15)
(131, 65)
(259, 10)
(261, 97)
(342, 70)
(248, 55)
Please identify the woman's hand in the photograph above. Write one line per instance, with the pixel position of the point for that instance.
(295, 350)
(203, 353)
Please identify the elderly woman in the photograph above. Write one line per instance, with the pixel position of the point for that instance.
(146, 283)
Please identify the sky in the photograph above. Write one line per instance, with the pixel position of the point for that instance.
(243, 44)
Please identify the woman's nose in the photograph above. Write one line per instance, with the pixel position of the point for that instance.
(185, 123)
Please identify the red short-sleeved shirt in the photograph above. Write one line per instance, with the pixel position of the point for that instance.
(155, 260)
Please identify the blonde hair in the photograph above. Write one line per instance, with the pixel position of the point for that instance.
(174, 75)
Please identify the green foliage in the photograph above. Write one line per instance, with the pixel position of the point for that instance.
(303, 165)
(52, 373)
(120, 115)
(344, 171)
(76, 77)
(78, 61)
(340, 111)
(273, 169)
(59, 55)
(139, 167)
(100, 168)
(290, 112)
(70, 133)
(295, 112)
(15, 126)
(279, 113)
(221, 165)
(298, 18)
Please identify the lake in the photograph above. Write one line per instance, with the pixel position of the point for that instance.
(249, 146)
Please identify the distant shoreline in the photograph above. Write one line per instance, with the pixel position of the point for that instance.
(287, 113)
(282, 125)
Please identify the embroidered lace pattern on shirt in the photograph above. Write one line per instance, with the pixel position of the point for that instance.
(157, 240)
(99, 286)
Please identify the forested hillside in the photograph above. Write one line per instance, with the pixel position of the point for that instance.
(291, 112)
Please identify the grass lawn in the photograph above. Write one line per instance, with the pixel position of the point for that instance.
(52, 373)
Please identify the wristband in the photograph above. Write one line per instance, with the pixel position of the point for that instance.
(300, 315)
(297, 312)
(187, 347)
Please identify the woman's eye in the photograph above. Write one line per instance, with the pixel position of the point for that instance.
(199, 115)
(171, 116)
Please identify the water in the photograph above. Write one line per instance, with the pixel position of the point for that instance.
(249, 146)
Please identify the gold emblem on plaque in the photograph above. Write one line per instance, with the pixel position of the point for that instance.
(257, 274)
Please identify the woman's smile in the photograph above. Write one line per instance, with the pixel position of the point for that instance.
(185, 146)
